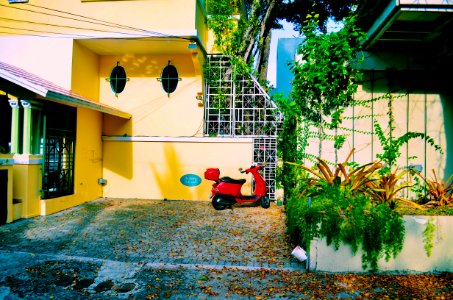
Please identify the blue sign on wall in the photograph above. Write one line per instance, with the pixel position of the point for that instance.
(190, 180)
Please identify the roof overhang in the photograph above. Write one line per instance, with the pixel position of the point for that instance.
(178, 42)
(22, 84)
(416, 26)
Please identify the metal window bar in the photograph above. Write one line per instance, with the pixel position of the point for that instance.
(265, 151)
(58, 178)
(241, 108)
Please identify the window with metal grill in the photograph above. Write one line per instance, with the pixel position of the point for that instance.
(59, 150)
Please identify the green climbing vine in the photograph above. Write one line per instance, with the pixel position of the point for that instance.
(329, 206)
(228, 31)
(391, 145)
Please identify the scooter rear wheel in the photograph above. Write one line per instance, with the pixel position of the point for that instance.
(265, 202)
(217, 203)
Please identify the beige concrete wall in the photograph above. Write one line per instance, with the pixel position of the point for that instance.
(412, 258)
(424, 112)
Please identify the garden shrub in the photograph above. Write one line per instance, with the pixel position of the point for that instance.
(340, 216)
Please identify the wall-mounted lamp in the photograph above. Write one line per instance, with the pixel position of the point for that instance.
(199, 97)
(102, 181)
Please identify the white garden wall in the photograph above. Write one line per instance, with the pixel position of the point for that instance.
(412, 258)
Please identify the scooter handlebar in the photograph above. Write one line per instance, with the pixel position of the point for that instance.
(253, 166)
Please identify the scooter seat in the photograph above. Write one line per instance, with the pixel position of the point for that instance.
(231, 180)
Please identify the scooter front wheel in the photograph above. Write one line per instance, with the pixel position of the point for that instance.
(217, 203)
(265, 202)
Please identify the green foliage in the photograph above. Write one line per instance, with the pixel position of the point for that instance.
(325, 80)
(391, 145)
(351, 205)
(223, 25)
(428, 236)
(353, 178)
(419, 189)
(339, 141)
(347, 205)
(288, 151)
(383, 236)
(323, 86)
(334, 213)
(227, 33)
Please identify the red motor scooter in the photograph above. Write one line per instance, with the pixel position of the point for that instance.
(227, 191)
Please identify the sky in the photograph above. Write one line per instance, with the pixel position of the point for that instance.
(286, 32)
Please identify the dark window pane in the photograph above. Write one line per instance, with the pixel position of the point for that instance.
(118, 79)
(58, 175)
(169, 79)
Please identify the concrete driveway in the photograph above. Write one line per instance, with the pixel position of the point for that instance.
(144, 249)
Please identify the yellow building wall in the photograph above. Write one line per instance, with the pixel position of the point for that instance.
(132, 169)
(154, 113)
(85, 72)
(6, 163)
(88, 153)
(27, 183)
(153, 169)
(167, 16)
(88, 164)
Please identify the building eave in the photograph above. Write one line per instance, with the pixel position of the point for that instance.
(46, 90)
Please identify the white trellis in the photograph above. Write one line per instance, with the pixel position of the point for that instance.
(239, 107)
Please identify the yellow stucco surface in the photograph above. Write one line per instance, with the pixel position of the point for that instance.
(156, 15)
(155, 113)
(27, 183)
(9, 194)
(79, 56)
(153, 169)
